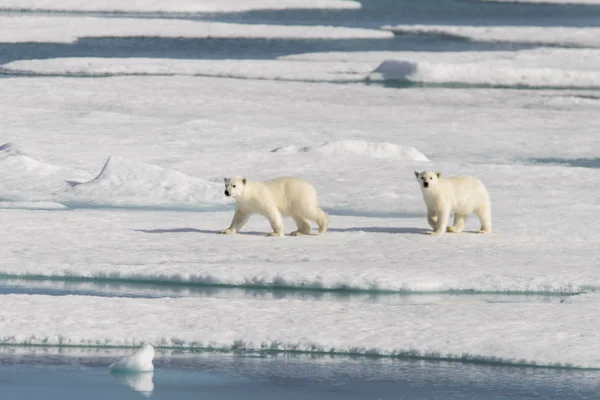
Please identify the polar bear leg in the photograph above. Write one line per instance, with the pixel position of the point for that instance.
(274, 217)
(459, 223)
(485, 216)
(319, 217)
(304, 226)
(431, 219)
(442, 222)
(239, 220)
(322, 220)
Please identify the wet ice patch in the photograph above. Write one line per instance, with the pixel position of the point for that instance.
(358, 148)
(131, 183)
(571, 162)
(31, 205)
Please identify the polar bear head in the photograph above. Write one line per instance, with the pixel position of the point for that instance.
(234, 187)
(428, 179)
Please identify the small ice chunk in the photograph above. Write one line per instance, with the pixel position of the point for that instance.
(141, 361)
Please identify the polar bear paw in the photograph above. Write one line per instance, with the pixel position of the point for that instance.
(228, 231)
(453, 229)
(435, 233)
(272, 234)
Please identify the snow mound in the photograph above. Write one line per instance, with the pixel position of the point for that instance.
(13, 159)
(26, 179)
(484, 74)
(358, 148)
(127, 182)
(141, 361)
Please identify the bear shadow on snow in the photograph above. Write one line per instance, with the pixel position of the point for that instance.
(193, 230)
(383, 229)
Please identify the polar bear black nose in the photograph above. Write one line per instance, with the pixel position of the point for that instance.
(426, 184)
(227, 193)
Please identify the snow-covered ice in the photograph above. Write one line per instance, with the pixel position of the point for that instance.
(117, 180)
(558, 36)
(242, 69)
(176, 6)
(529, 334)
(358, 148)
(140, 361)
(543, 67)
(68, 29)
(122, 182)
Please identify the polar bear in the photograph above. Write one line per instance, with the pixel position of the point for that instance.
(462, 195)
(274, 199)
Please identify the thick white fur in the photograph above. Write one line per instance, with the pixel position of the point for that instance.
(274, 199)
(462, 195)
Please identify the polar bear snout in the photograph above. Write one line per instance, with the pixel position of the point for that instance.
(227, 193)
(425, 184)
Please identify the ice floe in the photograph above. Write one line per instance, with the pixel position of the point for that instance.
(66, 29)
(555, 335)
(557, 36)
(175, 6)
(242, 69)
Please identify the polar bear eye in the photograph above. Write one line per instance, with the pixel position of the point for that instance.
(233, 185)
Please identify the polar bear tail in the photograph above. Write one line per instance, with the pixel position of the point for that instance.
(322, 220)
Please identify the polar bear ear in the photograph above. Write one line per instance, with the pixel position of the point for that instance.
(244, 181)
(417, 174)
(439, 174)
(226, 180)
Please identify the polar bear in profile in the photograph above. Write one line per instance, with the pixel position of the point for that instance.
(462, 195)
(274, 199)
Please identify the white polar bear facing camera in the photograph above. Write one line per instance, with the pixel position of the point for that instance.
(462, 195)
(274, 199)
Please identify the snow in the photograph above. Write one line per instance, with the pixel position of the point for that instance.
(543, 67)
(153, 213)
(176, 6)
(185, 248)
(68, 29)
(540, 67)
(245, 69)
(358, 148)
(478, 74)
(557, 36)
(140, 361)
(123, 181)
(530, 334)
